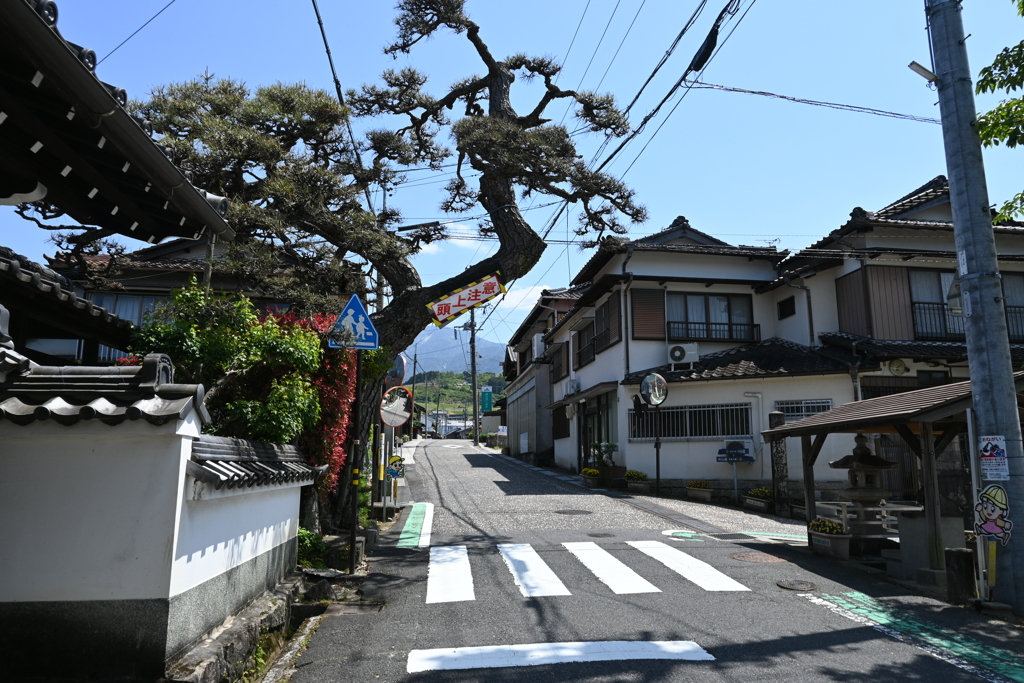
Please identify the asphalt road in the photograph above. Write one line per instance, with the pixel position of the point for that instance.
(633, 604)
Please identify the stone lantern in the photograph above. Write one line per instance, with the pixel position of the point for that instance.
(866, 490)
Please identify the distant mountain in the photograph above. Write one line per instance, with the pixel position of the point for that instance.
(439, 349)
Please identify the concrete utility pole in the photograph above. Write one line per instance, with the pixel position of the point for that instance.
(472, 366)
(415, 358)
(988, 346)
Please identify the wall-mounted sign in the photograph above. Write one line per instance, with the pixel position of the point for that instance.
(396, 407)
(461, 300)
(486, 399)
(994, 464)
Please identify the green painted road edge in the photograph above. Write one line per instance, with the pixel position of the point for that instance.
(410, 537)
(977, 653)
(767, 533)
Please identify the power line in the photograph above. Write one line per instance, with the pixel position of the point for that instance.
(136, 31)
(594, 55)
(621, 43)
(832, 105)
(573, 41)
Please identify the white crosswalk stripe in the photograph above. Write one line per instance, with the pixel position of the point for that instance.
(532, 574)
(610, 570)
(450, 574)
(689, 567)
(449, 578)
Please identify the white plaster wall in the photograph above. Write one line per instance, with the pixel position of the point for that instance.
(88, 510)
(218, 533)
(707, 266)
(696, 459)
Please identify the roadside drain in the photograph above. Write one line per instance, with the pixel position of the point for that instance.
(573, 512)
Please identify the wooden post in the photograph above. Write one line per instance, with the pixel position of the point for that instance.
(932, 509)
(806, 450)
(780, 467)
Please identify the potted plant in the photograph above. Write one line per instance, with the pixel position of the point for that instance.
(591, 477)
(603, 456)
(758, 499)
(636, 482)
(829, 539)
(698, 489)
(798, 508)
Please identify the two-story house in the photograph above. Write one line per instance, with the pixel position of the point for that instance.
(742, 331)
(526, 369)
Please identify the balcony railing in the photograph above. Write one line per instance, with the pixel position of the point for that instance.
(682, 331)
(602, 339)
(585, 354)
(934, 322)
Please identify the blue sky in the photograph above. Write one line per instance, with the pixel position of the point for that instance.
(750, 170)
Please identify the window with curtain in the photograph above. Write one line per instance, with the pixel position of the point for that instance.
(726, 317)
(131, 307)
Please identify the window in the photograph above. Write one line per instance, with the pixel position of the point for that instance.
(728, 317)
(127, 306)
(607, 323)
(787, 307)
(932, 378)
(648, 314)
(1013, 291)
(798, 410)
(559, 423)
(584, 346)
(559, 362)
(932, 319)
(693, 423)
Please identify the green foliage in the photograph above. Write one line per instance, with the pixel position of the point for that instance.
(456, 388)
(826, 526)
(1005, 123)
(312, 549)
(636, 475)
(259, 370)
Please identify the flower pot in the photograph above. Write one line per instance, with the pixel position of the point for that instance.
(613, 471)
(641, 487)
(757, 504)
(798, 511)
(591, 482)
(699, 494)
(831, 545)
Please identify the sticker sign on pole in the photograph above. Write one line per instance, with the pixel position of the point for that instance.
(451, 305)
(994, 464)
(355, 322)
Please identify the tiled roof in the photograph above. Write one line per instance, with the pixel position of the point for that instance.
(770, 358)
(111, 395)
(28, 280)
(681, 228)
(886, 349)
(605, 253)
(565, 292)
(930, 404)
(236, 463)
(934, 188)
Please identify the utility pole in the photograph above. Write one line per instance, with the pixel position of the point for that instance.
(472, 369)
(988, 347)
(415, 357)
(437, 413)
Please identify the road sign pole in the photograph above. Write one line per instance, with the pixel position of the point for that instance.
(354, 454)
(657, 450)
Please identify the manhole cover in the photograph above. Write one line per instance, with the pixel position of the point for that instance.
(732, 537)
(573, 512)
(599, 535)
(755, 556)
(796, 585)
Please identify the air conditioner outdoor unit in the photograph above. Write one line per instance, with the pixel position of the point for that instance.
(739, 447)
(570, 386)
(538, 345)
(683, 353)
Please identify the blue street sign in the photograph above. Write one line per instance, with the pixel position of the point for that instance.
(354, 320)
(734, 458)
(735, 453)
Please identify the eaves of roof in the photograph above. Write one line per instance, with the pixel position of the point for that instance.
(65, 130)
(884, 349)
(29, 289)
(237, 463)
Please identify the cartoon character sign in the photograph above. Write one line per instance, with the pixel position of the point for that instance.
(396, 467)
(994, 513)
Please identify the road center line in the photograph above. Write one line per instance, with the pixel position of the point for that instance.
(536, 654)
(689, 567)
(532, 574)
(610, 570)
(449, 578)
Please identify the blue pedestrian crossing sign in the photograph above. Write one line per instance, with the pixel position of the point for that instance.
(354, 322)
